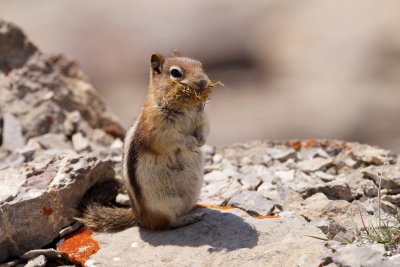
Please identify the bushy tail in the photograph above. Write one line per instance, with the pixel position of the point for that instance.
(107, 219)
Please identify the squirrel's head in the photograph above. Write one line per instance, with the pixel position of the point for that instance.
(178, 81)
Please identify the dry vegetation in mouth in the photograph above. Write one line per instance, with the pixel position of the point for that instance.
(181, 95)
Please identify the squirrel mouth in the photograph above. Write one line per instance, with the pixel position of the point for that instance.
(181, 95)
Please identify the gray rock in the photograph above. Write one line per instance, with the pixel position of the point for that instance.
(322, 225)
(281, 154)
(285, 176)
(395, 260)
(12, 132)
(370, 154)
(314, 164)
(326, 177)
(50, 141)
(50, 254)
(353, 256)
(344, 237)
(40, 90)
(250, 182)
(70, 229)
(123, 199)
(390, 176)
(215, 176)
(228, 238)
(389, 207)
(252, 202)
(39, 261)
(46, 193)
(337, 189)
(79, 142)
(395, 199)
(208, 150)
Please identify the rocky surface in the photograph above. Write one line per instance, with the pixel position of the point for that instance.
(295, 203)
(40, 198)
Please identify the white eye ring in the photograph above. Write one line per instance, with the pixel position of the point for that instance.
(175, 73)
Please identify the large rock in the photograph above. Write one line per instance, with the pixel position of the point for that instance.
(48, 94)
(223, 238)
(40, 198)
(368, 256)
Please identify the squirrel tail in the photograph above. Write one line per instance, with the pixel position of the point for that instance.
(102, 218)
(107, 219)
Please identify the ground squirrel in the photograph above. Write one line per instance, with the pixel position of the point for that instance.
(162, 162)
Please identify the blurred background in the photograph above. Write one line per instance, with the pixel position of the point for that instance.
(292, 69)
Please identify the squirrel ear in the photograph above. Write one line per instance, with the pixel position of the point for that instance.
(176, 53)
(157, 61)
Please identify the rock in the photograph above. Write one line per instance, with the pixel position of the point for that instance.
(368, 256)
(370, 154)
(285, 176)
(252, 202)
(27, 152)
(314, 164)
(50, 141)
(217, 158)
(79, 142)
(389, 207)
(326, 177)
(117, 145)
(39, 261)
(250, 182)
(123, 199)
(395, 199)
(223, 238)
(281, 154)
(215, 176)
(50, 254)
(70, 229)
(322, 225)
(41, 91)
(46, 193)
(337, 189)
(12, 132)
(319, 207)
(344, 237)
(390, 176)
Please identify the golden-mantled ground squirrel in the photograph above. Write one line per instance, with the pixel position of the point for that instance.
(162, 163)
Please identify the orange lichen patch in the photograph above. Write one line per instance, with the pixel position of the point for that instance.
(267, 217)
(47, 211)
(328, 143)
(216, 207)
(311, 143)
(262, 216)
(295, 144)
(79, 247)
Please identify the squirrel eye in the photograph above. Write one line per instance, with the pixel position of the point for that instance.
(176, 73)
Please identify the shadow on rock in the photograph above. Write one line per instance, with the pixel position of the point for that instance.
(219, 230)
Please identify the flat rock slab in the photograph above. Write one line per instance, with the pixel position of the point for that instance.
(40, 198)
(224, 238)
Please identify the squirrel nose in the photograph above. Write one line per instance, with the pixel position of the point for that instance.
(202, 84)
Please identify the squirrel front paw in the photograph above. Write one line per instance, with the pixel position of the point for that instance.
(191, 143)
(201, 140)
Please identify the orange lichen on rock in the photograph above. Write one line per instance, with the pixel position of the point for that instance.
(262, 216)
(216, 207)
(311, 143)
(47, 211)
(79, 247)
(295, 144)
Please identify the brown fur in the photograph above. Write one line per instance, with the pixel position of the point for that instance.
(162, 164)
